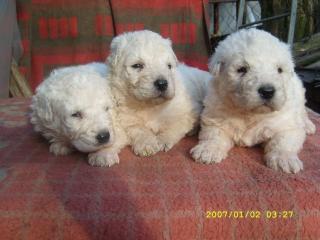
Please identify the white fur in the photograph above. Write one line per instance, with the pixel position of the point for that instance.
(154, 121)
(78, 89)
(234, 112)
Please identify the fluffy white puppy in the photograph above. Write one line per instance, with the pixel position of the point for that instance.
(73, 108)
(158, 99)
(256, 97)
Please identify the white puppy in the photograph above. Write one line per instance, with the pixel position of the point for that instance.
(73, 108)
(158, 100)
(256, 97)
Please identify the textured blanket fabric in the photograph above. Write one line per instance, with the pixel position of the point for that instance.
(167, 196)
(64, 32)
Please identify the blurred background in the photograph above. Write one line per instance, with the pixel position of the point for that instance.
(38, 36)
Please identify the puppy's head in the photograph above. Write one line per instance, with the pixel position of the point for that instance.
(145, 65)
(253, 70)
(78, 106)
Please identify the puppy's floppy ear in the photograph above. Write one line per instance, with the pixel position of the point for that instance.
(169, 43)
(113, 101)
(288, 49)
(115, 49)
(42, 108)
(215, 66)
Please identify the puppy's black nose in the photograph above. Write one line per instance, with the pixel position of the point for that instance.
(161, 84)
(266, 92)
(103, 137)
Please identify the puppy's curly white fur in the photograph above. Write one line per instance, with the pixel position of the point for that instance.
(158, 99)
(256, 97)
(73, 108)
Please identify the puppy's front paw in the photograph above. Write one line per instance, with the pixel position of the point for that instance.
(145, 147)
(165, 146)
(310, 127)
(103, 159)
(288, 163)
(59, 149)
(207, 152)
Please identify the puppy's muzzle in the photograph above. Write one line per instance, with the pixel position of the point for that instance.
(161, 84)
(266, 92)
(103, 137)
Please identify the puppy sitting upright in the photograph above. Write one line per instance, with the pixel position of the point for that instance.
(73, 109)
(158, 102)
(256, 97)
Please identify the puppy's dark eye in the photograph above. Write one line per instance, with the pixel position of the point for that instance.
(169, 66)
(280, 70)
(242, 70)
(107, 108)
(77, 114)
(138, 66)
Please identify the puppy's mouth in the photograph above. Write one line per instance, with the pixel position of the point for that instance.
(160, 98)
(265, 107)
(164, 95)
(85, 145)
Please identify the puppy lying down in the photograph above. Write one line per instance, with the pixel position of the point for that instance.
(256, 97)
(73, 109)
